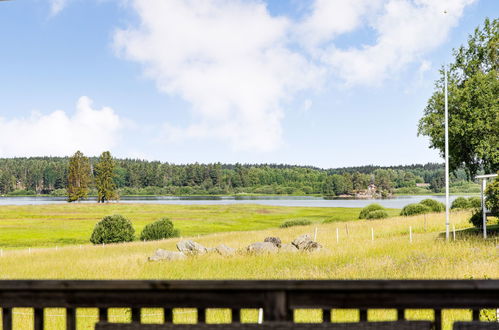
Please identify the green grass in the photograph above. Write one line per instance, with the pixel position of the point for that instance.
(70, 224)
(390, 255)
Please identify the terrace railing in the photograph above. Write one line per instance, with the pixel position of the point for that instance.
(277, 298)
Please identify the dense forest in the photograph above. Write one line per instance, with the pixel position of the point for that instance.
(49, 175)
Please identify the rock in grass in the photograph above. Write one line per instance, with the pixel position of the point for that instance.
(262, 248)
(288, 248)
(225, 251)
(191, 248)
(274, 240)
(161, 254)
(305, 243)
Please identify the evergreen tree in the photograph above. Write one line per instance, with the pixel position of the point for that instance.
(78, 177)
(104, 178)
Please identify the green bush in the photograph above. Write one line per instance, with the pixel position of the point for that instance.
(477, 218)
(160, 229)
(413, 209)
(113, 229)
(378, 214)
(475, 202)
(369, 208)
(460, 203)
(492, 196)
(435, 206)
(295, 222)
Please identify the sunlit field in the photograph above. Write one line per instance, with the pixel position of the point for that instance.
(70, 224)
(356, 255)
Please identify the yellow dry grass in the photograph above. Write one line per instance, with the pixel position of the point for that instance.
(354, 256)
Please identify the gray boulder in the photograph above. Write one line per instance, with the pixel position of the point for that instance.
(161, 254)
(262, 248)
(288, 248)
(191, 248)
(274, 240)
(305, 243)
(225, 251)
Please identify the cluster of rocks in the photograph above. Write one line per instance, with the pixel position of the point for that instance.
(270, 245)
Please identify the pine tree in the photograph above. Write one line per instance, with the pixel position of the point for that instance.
(78, 177)
(104, 178)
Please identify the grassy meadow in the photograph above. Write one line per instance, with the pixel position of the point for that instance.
(72, 224)
(355, 255)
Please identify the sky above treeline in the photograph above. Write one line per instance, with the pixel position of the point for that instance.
(327, 83)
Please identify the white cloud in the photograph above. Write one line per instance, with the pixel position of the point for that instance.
(59, 134)
(405, 31)
(238, 65)
(228, 58)
(56, 6)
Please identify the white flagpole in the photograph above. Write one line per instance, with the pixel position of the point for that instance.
(447, 221)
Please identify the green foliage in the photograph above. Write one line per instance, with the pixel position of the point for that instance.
(413, 209)
(475, 202)
(435, 206)
(492, 196)
(461, 203)
(104, 178)
(78, 177)
(42, 175)
(22, 192)
(160, 229)
(370, 208)
(473, 104)
(377, 214)
(477, 218)
(295, 222)
(113, 229)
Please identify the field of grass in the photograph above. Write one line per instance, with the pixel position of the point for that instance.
(353, 256)
(69, 224)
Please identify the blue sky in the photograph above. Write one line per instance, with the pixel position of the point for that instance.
(327, 83)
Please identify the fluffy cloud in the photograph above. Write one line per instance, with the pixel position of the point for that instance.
(237, 65)
(405, 31)
(230, 59)
(59, 134)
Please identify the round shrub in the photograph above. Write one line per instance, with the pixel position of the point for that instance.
(477, 218)
(475, 202)
(413, 209)
(435, 206)
(295, 222)
(160, 229)
(369, 208)
(113, 229)
(460, 203)
(378, 214)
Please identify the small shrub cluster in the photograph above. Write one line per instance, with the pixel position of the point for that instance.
(160, 229)
(461, 203)
(415, 208)
(475, 202)
(433, 205)
(477, 218)
(364, 213)
(113, 229)
(377, 214)
(295, 222)
(118, 229)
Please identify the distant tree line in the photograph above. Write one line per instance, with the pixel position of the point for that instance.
(52, 175)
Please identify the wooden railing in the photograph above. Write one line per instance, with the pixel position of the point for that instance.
(277, 298)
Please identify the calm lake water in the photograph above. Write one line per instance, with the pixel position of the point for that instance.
(396, 202)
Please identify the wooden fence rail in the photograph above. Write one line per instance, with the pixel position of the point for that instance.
(277, 298)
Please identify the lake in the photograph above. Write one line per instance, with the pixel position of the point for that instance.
(395, 202)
